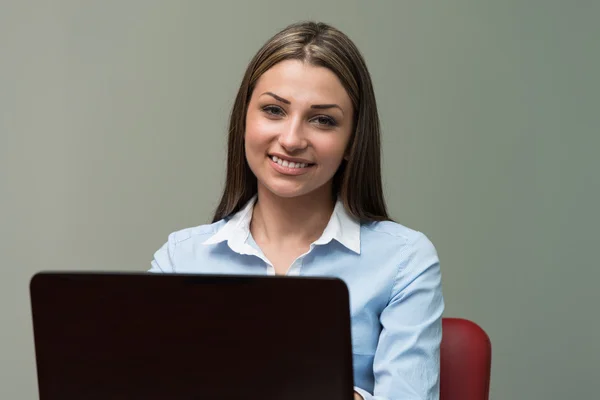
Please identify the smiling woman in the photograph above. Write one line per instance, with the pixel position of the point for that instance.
(303, 197)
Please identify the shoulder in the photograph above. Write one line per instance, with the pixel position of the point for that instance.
(395, 234)
(410, 252)
(196, 233)
(181, 242)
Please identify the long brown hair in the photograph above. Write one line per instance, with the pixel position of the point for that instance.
(358, 179)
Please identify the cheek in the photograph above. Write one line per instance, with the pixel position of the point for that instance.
(258, 132)
(333, 151)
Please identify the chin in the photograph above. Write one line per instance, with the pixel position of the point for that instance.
(287, 191)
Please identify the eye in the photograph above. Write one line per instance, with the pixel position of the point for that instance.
(273, 110)
(325, 120)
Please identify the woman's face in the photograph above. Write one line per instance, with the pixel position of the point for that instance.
(298, 126)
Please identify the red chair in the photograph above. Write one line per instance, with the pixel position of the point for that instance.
(466, 359)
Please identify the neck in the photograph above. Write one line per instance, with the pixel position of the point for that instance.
(291, 220)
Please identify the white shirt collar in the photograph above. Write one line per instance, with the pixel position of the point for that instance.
(341, 227)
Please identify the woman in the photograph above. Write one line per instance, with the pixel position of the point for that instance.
(303, 196)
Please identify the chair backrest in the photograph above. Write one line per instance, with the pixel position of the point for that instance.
(466, 356)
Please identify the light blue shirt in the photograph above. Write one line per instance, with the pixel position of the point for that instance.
(393, 276)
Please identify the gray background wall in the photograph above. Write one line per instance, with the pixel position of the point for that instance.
(112, 121)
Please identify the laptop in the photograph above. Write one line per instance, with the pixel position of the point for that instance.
(173, 336)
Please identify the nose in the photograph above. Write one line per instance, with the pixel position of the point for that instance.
(292, 137)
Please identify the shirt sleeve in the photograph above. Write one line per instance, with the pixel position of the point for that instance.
(163, 258)
(407, 360)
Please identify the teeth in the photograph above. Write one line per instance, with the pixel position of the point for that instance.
(288, 164)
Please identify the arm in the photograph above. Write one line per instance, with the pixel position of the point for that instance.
(407, 359)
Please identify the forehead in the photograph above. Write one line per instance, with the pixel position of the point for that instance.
(302, 82)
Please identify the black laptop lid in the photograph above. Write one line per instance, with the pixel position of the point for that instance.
(154, 336)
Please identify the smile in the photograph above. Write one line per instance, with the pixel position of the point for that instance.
(289, 164)
(286, 167)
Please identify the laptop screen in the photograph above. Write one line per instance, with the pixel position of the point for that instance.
(149, 336)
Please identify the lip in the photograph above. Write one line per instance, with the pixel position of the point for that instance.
(287, 170)
(292, 159)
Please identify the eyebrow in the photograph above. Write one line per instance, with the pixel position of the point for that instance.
(317, 106)
(326, 106)
(281, 99)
